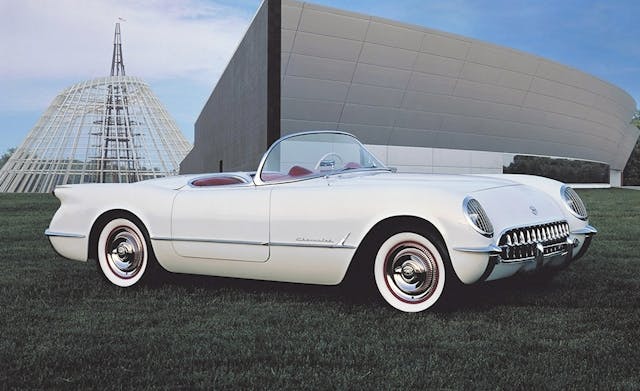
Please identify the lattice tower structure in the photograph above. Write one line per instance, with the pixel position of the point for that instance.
(111, 129)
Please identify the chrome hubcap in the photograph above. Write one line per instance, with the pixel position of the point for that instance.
(124, 252)
(411, 272)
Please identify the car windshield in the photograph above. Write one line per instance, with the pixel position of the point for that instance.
(308, 155)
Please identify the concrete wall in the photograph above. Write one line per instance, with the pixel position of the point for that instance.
(234, 123)
(396, 84)
(416, 93)
(438, 160)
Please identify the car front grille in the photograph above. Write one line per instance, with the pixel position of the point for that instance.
(520, 243)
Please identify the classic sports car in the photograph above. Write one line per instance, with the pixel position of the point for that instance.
(320, 207)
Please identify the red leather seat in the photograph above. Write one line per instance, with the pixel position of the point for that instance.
(297, 171)
(217, 181)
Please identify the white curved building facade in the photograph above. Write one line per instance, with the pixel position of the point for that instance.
(411, 93)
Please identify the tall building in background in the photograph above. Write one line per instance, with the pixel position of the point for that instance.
(110, 129)
(422, 100)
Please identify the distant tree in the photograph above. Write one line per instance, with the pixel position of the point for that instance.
(564, 170)
(631, 173)
(6, 156)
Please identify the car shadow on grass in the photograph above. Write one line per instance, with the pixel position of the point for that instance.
(515, 291)
(259, 288)
(518, 290)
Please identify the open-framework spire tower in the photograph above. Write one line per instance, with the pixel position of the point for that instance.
(117, 61)
(110, 129)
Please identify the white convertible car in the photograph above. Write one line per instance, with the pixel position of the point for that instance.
(321, 207)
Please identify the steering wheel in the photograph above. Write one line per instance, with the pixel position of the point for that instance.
(324, 158)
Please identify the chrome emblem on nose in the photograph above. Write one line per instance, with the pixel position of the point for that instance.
(533, 210)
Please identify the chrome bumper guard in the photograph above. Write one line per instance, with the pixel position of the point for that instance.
(588, 232)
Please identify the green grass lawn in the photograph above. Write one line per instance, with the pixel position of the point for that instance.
(61, 326)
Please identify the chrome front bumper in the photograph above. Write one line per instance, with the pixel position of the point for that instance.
(555, 255)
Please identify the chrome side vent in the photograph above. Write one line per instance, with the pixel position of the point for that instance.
(520, 243)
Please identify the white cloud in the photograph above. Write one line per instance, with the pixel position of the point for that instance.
(161, 38)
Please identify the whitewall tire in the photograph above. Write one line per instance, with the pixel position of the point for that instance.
(123, 252)
(410, 272)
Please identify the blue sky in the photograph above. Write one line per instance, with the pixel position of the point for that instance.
(180, 47)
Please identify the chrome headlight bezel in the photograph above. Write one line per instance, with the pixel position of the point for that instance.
(573, 203)
(477, 217)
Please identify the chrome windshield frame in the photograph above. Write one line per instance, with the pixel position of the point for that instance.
(257, 178)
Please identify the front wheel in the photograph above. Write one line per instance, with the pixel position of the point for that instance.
(410, 271)
(123, 252)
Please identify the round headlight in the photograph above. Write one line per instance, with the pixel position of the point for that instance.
(477, 217)
(573, 202)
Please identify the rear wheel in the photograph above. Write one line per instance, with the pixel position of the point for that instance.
(410, 271)
(124, 254)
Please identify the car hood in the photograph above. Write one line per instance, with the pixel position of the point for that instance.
(463, 184)
(504, 200)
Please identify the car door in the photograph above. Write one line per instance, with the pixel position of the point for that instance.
(222, 222)
(309, 213)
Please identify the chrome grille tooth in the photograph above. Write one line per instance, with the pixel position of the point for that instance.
(522, 240)
(539, 235)
(529, 241)
(533, 235)
(509, 242)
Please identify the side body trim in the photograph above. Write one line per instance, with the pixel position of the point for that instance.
(312, 245)
(220, 241)
(249, 243)
(63, 234)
